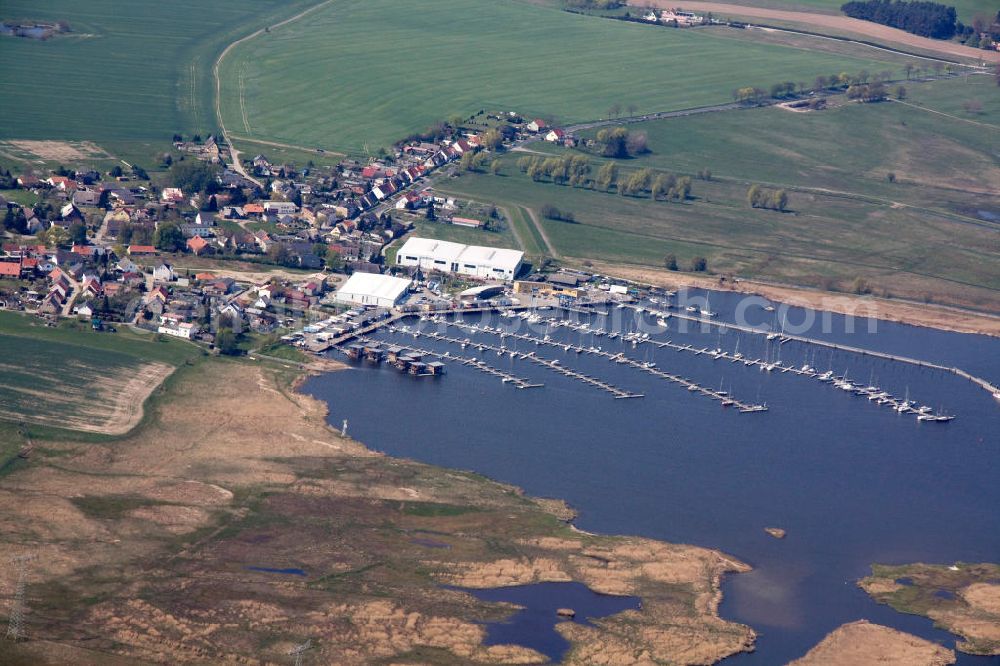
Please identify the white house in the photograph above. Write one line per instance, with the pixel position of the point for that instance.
(163, 273)
(536, 125)
(172, 324)
(555, 135)
(204, 219)
(373, 289)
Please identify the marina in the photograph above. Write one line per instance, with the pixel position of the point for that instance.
(675, 469)
(784, 337)
(874, 394)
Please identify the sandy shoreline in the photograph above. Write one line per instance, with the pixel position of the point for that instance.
(932, 316)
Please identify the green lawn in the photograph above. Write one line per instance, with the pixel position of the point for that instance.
(128, 76)
(361, 74)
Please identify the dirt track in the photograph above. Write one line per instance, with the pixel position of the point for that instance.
(866, 29)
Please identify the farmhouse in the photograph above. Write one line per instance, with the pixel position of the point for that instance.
(472, 260)
(536, 125)
(373, 289)
(682, 18)
(555, 135)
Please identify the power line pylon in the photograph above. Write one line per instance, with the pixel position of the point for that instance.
(16, 623)
(299, 650)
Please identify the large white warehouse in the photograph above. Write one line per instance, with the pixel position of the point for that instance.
(489, 263)
(373, 289)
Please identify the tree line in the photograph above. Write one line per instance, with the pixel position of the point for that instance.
(576, 171)
(927, 19)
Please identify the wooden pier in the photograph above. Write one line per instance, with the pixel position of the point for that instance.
(785, 337)
(555, 366)
(721, 396)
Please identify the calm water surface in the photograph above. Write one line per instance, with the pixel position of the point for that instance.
(852, 483)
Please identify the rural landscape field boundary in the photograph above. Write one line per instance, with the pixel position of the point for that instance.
(234, 153)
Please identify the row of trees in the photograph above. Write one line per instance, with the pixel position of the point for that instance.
(575, 171)
(841, 81)
(762, 197)
(928, 19)
(572, 170)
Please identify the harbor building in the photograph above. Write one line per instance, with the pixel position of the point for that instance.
(488, 263)
(373, 289)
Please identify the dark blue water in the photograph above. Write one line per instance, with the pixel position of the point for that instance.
(853, 483)
(534, 625)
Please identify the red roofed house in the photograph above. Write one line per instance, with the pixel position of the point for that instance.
(536, 125)
(141, 249)
(555, 135)
(9, 269)
(198, 245)
(62, 183)
(253, 209)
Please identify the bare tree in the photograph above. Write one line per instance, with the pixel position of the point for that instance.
(632, 108)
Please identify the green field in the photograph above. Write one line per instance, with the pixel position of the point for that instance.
(70, 377)
(940, 161)
(128, 76)
(359, 74)
(922, 237)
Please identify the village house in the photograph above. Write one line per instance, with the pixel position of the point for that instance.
(536, 125)
(173, 324)
(140, 250)
(86, 198)
(199, 245)
(164, 272)
(172, 195)
(555, 135)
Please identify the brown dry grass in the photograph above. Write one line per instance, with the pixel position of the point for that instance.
(144, 545)
(864, 644)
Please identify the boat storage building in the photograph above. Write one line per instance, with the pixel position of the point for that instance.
(373, 289)
(489, 263)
